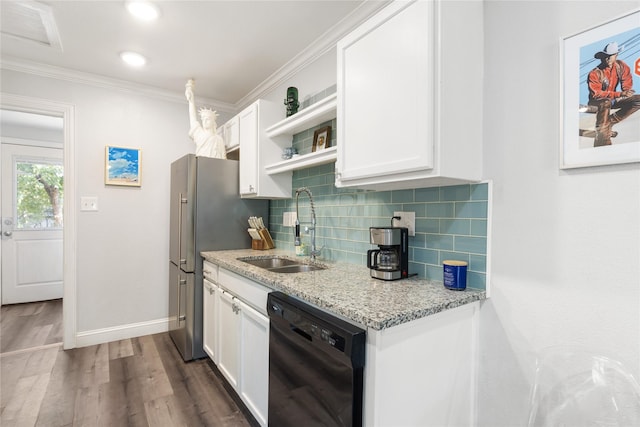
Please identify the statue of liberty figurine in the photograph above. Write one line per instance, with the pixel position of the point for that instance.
(208, 142)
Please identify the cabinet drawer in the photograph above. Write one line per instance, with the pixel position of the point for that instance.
(210, 271)
(252, 293)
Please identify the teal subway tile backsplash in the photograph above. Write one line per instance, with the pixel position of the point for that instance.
(455, 193)
(451, 222)
(475, 245)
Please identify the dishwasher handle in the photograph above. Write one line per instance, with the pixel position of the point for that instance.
(302, 333)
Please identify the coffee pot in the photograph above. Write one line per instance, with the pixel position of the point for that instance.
(391, 260)
(383, 259)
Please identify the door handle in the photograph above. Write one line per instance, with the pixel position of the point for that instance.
(180, 260)
(7, 227)
(181, 283)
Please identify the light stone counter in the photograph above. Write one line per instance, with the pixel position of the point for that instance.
(348, 290)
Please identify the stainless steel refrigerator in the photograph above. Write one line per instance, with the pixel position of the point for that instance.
(206, 214)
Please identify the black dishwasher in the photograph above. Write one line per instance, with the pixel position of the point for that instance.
(316, 364)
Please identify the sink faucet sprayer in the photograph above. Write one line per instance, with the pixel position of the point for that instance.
(297, 242)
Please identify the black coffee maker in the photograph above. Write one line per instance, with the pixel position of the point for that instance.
(391, 260)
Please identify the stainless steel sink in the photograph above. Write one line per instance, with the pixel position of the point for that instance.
(281, 265)
(271, 262)
(296, 268)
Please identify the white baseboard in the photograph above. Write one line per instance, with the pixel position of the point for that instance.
(122, 332)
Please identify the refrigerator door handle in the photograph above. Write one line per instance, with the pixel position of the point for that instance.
(183, 200)
(181, 317)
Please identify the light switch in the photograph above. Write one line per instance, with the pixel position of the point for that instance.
(88, 203)
(289, 219)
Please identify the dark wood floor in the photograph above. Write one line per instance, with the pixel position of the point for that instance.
(134, 382)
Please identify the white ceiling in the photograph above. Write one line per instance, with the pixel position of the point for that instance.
(229, 47)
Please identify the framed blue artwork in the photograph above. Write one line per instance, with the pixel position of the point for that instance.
(122, 166)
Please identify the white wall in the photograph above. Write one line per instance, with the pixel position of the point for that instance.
(315, 77)
(565, 244)
(123, 249)
(9, 129)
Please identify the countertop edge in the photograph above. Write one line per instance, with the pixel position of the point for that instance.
(298, 286)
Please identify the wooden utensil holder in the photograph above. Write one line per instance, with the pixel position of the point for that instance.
(257, 245)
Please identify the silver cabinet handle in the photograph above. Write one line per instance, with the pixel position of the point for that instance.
(208, 287)
(8, 233)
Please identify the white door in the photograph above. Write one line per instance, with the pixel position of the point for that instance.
(32, 198)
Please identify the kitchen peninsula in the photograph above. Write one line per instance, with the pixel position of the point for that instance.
(421, 350)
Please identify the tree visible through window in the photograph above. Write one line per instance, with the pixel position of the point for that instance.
(39, 195)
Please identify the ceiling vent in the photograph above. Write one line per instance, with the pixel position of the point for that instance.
(30, 21)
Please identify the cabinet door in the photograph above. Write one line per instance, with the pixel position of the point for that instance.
(209, 321)
(248, 127)
(228, 337)
(385, 94)
(254, 362)
(232, 133)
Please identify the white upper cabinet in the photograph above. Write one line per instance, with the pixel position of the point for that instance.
(396, 100)
(258, 150)
(231, 134)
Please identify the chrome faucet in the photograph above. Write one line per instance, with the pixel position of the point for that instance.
(314, 252)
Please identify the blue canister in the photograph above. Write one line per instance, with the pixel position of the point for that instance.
(455, 275)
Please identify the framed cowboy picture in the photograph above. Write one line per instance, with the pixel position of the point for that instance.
(600, 123)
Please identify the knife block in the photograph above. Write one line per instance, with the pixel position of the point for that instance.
(257, 245)
(266, 239)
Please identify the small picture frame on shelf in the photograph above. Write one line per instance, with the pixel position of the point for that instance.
(321, 139)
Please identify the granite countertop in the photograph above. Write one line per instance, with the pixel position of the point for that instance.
(349, 291)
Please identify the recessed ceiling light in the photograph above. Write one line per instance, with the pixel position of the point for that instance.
(144, 10)
(133, 59)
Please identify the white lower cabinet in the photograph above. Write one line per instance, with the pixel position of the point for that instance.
(254, 362)
(209, 314)
(228, 338)
(424, 372)
(419, 373)
(241, 336)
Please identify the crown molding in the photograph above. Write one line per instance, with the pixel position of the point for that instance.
(319, 47)
(73, 76)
